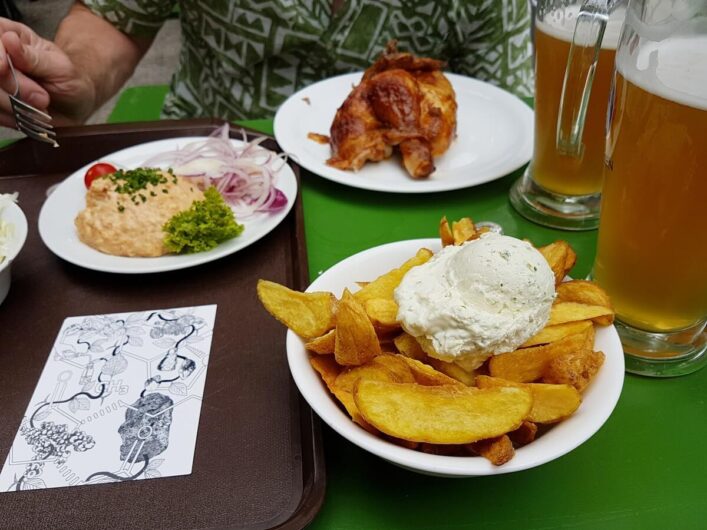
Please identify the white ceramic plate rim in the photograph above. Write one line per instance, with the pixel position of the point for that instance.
(14, 215)
(56, 218)
(598, 403)
(333, 91)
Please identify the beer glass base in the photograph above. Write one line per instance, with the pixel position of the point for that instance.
(550, 209)
(663, 354)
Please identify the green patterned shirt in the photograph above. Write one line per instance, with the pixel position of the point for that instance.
(242, 58)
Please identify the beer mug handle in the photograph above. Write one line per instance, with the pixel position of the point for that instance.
(581, 65)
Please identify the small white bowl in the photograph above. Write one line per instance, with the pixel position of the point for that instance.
(598, 401)
(13, 215)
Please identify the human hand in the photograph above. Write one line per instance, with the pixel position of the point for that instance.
(48, 79)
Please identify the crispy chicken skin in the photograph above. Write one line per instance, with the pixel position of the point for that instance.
(402, 101)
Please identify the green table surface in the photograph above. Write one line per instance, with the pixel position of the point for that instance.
(645, 468)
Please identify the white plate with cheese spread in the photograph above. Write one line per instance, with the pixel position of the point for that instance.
(494, 137)
(598, 400)
(57, 230)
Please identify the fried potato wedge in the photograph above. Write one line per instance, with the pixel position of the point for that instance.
(584, 292)
(575, 368)
(562, 312)
(570, 259)
(346, 380)
(309, 315)
(400, 370)
(385, 367)
(426, 375)
(524, 434)
(330, 372)
(559, 331)
(589, 293)
(323, 345)
(356, 341)
(445, 232)
(409, 347)
(383, 286)
(441, 414)
(463, 230)
(560, 257)
(528, 364)
(327, 369)
(453, 370)
(498, 450)
(551, 403)
(344, 384)
(383, 314)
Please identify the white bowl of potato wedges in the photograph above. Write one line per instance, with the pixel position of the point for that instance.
(370, 382)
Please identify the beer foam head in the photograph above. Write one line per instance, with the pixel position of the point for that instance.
(561, 22)
(674, 69)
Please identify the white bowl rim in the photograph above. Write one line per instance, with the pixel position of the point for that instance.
(12, 213)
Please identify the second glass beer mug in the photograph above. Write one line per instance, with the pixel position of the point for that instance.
(575, 45)
(652, 245)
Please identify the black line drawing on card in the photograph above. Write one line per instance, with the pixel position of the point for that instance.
(181, 367)
(49, 440)
(144, 434)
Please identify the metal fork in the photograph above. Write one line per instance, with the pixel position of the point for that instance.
(30, 121)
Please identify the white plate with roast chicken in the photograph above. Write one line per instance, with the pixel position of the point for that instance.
(405, 126)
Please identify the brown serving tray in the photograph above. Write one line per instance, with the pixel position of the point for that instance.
(259, 461)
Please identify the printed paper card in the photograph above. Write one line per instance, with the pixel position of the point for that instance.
(119, 399)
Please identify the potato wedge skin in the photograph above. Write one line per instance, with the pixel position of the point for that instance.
(441, 414)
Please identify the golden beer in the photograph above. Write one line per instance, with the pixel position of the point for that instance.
(652, 248)
(568, 175)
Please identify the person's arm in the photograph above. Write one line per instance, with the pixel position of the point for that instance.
(71, 77)
(105, 56)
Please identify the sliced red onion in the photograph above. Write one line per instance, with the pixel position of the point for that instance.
(244, 175)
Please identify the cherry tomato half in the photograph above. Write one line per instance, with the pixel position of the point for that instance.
(97, 170)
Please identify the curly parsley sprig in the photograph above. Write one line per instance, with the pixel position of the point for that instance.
(205, 225)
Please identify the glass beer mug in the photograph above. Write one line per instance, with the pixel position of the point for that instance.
(575, 45)
(652, 243)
